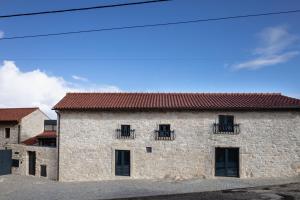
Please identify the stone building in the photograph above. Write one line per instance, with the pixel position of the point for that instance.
(103, 136)
(19, 124)
(27, 143)
(37, 156)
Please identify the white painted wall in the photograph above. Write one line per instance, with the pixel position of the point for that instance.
(32, 124)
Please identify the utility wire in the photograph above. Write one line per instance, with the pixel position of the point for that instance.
(80, 9)
(151, 25)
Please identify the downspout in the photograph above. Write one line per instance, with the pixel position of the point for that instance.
(19, 133)
(58, 141)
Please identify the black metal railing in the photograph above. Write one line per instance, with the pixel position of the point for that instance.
(226, 129)
(125, 135)
(164, 135)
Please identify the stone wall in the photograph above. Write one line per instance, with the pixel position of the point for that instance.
(32, 124)
(268, 142)
(13, 139)
(44, 156)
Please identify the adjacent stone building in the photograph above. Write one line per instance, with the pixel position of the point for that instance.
(37, 156)
(27, 143)
(104, 136)
(19, 124)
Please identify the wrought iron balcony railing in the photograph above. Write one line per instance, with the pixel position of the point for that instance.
(226, 129)
(164, 135)
(125, 135)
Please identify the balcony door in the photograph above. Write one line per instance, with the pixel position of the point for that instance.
(227, 162)
(122, 163)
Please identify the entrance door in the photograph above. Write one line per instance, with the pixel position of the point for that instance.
(122, 161)
(5, 162)
(227, 162)
(31, 159)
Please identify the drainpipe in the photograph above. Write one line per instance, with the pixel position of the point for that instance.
(19, 133)
(58, 141)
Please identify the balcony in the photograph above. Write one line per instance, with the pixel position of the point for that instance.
(226, 129)
(164, 135)
(128, 134)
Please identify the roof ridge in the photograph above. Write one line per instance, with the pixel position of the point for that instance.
(213, 93)
(22, 108)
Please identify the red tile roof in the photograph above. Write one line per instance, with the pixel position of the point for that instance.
(176, 101)
(14, 114)
(34, 140)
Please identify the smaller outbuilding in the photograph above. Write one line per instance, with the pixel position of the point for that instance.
(37, 156)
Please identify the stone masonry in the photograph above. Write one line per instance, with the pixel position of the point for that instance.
(268, 143)
(29, 126)
(44, 156)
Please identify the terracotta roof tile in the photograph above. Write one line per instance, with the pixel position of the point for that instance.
(14, 114)
(176, 101)
(34, 140)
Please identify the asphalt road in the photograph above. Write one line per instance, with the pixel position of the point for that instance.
(278, 192)
(14, 187)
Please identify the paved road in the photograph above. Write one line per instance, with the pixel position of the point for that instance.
(279, 192)
(32, 188)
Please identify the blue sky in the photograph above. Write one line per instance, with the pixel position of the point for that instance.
(257, 54)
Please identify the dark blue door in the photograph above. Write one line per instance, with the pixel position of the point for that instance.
(227, 162)
(122, 161)
(5, 162)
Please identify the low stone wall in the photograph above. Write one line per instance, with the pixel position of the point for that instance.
(44, 156)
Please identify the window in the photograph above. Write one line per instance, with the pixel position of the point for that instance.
(50, 125)
(15, 163)
(149, 149)
(7, 132)
(48, 142)
(125, 130)
(226, 123)
(44, 170)
(164, 130)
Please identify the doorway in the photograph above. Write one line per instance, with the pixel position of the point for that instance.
(5, 162)
(227, 162)
(122, 163)
(32, 161)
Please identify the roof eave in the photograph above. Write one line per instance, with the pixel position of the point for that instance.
(179, 109)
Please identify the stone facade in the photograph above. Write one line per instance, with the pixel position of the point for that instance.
(14, 132)
(29, 126)
(268, 144)
(44, 156)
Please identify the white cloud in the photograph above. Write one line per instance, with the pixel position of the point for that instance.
(266, 61)
(275, 48)
(79, 78)
(1, 34)
(36, 88)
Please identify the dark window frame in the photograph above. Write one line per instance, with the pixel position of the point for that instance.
(15, 163)
(125, 130)
(226, 123)
(149, 149)
(164, 130)
(47, 142)
(7, 133)
(43, 170)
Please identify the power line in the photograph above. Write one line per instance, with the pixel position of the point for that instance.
(80, 9)
(151, 25)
